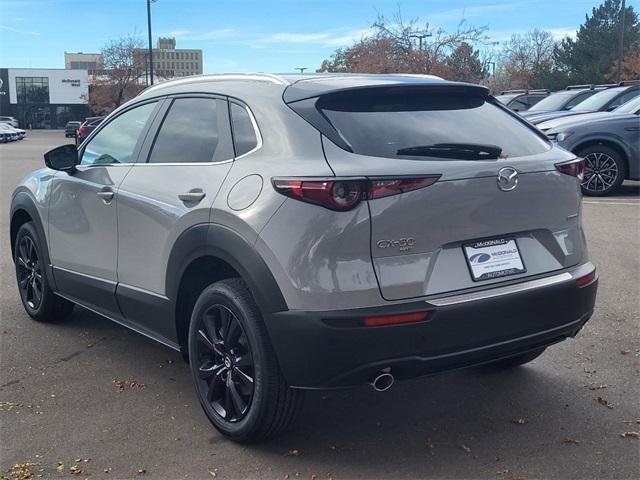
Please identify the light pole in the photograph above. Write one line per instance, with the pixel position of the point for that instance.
(302, 69)
(420, 37)
(621, 45)
(150, 46)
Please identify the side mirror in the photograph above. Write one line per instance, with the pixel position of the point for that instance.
(63, 158)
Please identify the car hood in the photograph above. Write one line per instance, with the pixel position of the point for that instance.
(581, 120)
(543, 117)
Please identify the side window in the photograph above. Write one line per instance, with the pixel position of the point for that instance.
(576, 100)
(533, 99)
(625, 97)
(194, 130)
(519, 104)
(116, 142)
(244, 133)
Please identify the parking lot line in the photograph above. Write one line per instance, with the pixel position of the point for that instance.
(610, 203)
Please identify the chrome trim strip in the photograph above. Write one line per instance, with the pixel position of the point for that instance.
(500, 291)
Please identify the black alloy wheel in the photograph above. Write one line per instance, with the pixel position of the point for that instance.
(29, 272)
(225, 363)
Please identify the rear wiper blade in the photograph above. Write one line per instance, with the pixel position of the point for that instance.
(461, 151)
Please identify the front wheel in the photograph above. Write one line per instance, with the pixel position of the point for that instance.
(234, 367)
(38, 299)
(604, 170)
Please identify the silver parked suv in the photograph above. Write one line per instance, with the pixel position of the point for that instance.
(308, 232)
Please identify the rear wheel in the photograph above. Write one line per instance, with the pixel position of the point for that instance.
(604, 170)
(516, 361)
(234, 367)
(37, 297)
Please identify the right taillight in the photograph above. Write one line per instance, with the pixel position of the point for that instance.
(342, 194)
(575, 168)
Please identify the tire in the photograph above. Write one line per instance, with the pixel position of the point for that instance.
(605, 170)
(516, 361)
(226, 315)
(39, 301)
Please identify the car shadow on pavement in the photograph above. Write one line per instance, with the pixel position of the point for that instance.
(628, 189)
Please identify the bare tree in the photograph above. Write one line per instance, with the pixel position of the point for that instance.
(122, 74)
(528, 59)
(408, 46)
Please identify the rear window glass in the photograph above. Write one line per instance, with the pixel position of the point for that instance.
(405, 123)
(244, 135)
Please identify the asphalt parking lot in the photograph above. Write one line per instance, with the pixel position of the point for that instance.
(89, 399)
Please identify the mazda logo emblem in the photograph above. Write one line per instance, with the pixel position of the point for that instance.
(507, 179)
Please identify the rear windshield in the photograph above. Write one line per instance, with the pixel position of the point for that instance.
(405, 123)
(595, 102)
(553, 102)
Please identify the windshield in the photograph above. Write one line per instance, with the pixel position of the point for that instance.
(597, 101)
(421, 124)
(507, 98)
(632, 106)
(553, 102)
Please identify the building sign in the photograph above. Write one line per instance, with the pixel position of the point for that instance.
(66, 87)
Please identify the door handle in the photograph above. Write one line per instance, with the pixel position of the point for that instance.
(106, 195)
(192, 196)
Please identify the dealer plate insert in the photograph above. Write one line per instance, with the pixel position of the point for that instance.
(495, 258)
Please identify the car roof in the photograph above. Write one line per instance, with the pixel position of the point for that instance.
(296, 86)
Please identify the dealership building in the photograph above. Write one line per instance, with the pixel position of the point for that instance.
(44, 98)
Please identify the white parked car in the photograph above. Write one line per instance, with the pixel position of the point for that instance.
(16, 133)
(10, 120)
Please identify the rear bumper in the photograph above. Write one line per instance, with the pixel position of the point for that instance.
(325, 350)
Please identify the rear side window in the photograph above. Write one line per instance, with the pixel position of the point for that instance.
(244, 133)
(193, 132)
(418, 124)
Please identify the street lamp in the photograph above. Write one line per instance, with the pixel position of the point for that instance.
(421, 37)
(302, 69)
(149, 2)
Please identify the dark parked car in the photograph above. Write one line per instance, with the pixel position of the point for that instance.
(71, 129)
(603, 101)
(87, 127)
(298, 232)
(564, 99)
(522, 100)
(609, 142)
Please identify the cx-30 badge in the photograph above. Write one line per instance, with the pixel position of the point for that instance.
(507, 179)
(403, 244)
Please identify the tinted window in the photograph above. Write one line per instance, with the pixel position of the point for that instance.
(405, 123)
(533, 99)
(244, 135)
(190, 133)
(579, 98)
(632, 106)
(519, 104)
(552, 103)
(624, 98)
(116, 142)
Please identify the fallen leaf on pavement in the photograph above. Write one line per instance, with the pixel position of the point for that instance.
(293, 453)
(595, 386)
(520, 421)
(571, 440)
(624, 351)
(141, 471)
(465, 448)
(60, 467)
(213, 473)
(630, 434)
(604, 402)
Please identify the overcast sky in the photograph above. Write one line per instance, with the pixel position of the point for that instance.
(241, 36)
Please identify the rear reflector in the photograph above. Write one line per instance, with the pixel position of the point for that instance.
(394, 319)
(386, 188)
(586, 279)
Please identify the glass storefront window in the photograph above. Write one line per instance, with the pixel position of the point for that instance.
(32, 89)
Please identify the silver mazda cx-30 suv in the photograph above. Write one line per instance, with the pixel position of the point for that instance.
(309, 232)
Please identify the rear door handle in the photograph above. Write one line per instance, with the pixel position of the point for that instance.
(194, 195)
(106, 195)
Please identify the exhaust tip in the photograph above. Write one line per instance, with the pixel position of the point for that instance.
(382, 382)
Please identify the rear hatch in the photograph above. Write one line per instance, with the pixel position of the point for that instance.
(495, 208)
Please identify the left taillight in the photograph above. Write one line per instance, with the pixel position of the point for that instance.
(342, 194)
(575, 168)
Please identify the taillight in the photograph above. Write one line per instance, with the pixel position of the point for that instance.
(385, 188)
(342, 194)
(338, 195)
(575, 168)
(379, 321)
(81, 130)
